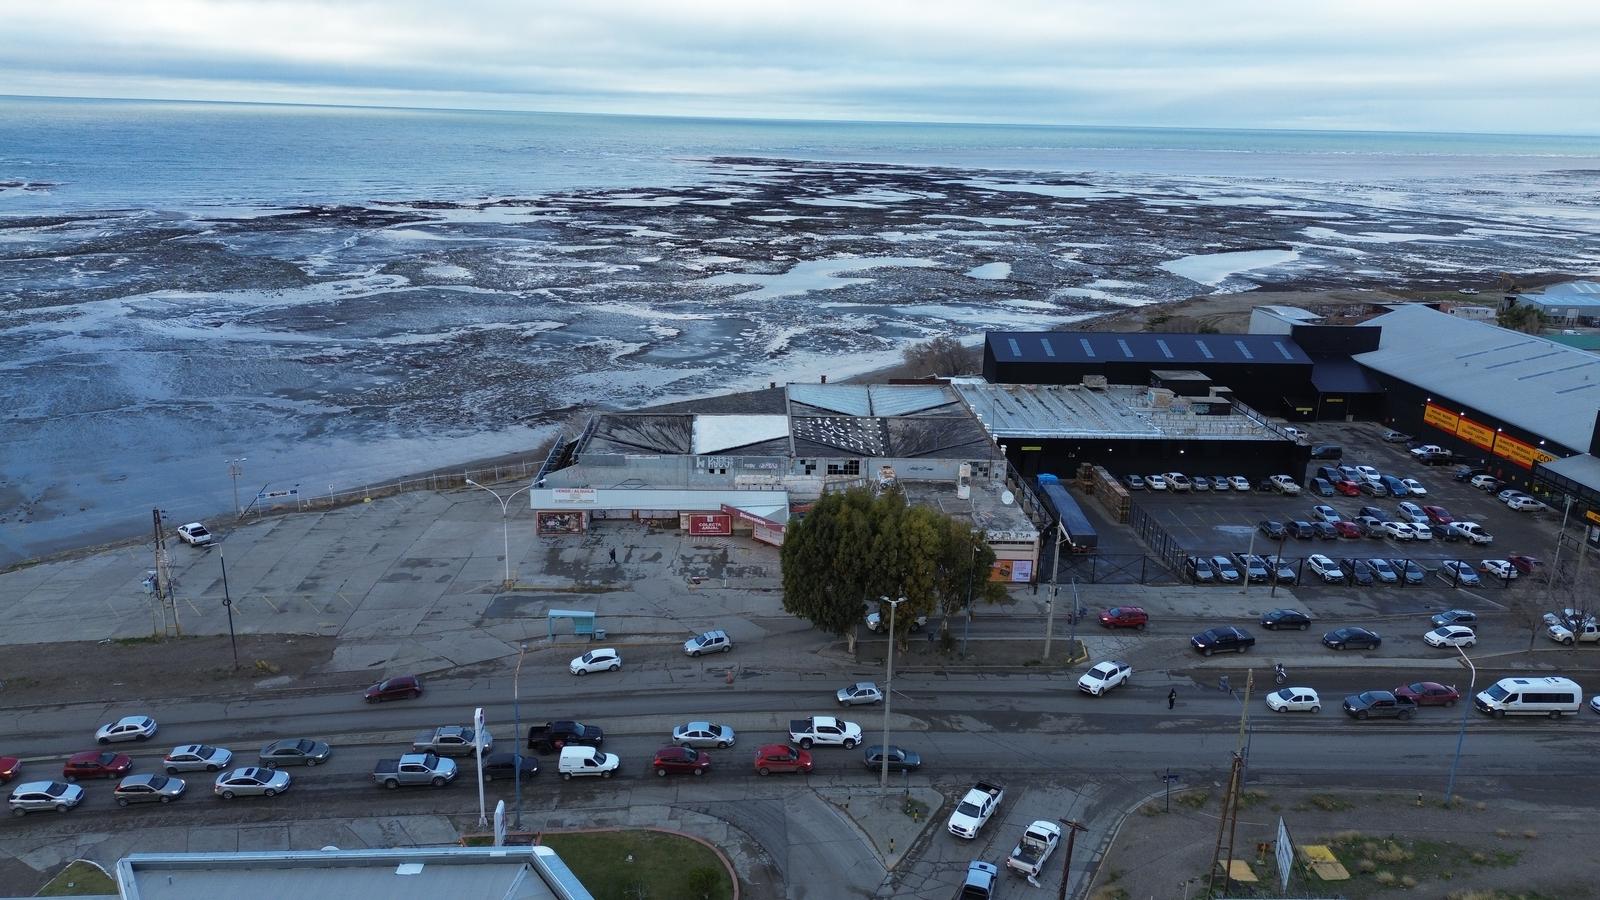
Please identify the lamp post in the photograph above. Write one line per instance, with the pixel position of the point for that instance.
(505, 522)
(234, 471)
(1461, 733)
(516, 733)
(888, 693)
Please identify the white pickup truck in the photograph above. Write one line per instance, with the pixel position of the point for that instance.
(1039, 840)
(1561, 633)
(824, 730)
(975, 808)
(1428, 452)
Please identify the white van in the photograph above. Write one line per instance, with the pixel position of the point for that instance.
(1531, 696)
(582, 761)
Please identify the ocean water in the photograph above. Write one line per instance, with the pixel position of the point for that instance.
(345, 295)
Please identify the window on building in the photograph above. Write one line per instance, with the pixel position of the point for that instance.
(848, 467)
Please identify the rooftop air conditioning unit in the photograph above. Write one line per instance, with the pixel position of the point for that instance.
(1094, 381)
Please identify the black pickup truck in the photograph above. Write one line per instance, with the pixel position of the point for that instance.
(1379, 705)
(552, 736)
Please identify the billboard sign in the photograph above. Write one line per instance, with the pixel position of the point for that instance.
(710, 524)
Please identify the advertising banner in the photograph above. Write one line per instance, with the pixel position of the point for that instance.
(1523, 454)
(572, 496)
(559, 522)
(710, 524)
(1474, 433)
(1440, 418)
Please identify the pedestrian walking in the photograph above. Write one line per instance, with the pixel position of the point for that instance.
(613, 554)
(1172, 698)
(1222, 684)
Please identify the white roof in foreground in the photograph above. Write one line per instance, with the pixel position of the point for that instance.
(716, 433)
(1538, 385)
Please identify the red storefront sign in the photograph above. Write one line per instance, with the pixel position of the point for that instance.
(710, 524)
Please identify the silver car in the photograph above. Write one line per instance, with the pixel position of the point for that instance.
(295, 752)
(148, 789)
(251, 782)
(703, 734)
(862, 692)
(38, 796)
(197, 758)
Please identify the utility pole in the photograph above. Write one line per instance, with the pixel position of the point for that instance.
(1066, 864)
(1229, 810)
(234, 471)
(888, 691)
(166, 611)
(227, 603)
(1050, 607)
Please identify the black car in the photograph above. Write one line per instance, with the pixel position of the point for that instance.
(1224, 639)
(1379, 705)
(1455, 617)
(1467, 473)
(1272, 530)
(900, 759)
(1325, 531)
(504, 765)
(1285, 618)
(1200, 571)
(1357, 571)
(1302, 529)
(1409, 571)
(1351, 638)
(1327, 451)
(1373, 512)
(1329, 473)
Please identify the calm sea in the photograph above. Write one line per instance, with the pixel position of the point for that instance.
(113, 154)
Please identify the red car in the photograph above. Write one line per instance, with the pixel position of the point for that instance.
(96, 764)
(1125, 617)
(676, 760)
(782, 758)
(8, 768)
(1438, 515)
(1524, 563)
(1347, 488)
(1347, 529)
(400, 688)
(1429, 693)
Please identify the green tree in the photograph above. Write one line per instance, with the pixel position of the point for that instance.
(1521, 317)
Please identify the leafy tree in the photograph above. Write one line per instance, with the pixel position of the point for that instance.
(1521, 317)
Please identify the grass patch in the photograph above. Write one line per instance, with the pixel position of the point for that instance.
(664, 866)
(1382, 865)
(79, 879)
(1194, 799)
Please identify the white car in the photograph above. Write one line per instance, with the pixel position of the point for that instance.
(1420, 531)
(1104, 676)
(1370, 474)
(604, 660)
(1594, 703)
(1400, 531)
(1285, 484)
(1135, 482)
(860, 693)
(1327, 568)
(1525, 502)
(127, 728)
(1415, 487)
(1156, 482)
(1485, 482)
(1499, 568)
(1325, 514)
(197, 758)
(1177, 481)
(1472, 531)
(1450, 636)
(194, 534)
(1239, 482)
(1294, 699)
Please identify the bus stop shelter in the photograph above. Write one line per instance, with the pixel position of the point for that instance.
(582, 623)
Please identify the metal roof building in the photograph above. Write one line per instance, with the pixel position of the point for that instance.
(1573, 301)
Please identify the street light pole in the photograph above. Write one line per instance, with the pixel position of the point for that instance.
(888, 693)
(1461, 733)
(505, 522)
(516, 733)
(227, 603)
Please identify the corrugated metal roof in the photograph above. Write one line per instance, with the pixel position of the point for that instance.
(848, 399)
(1523, 380)
(903, 399)
(1161, 348)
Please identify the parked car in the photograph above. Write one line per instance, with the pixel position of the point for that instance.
(1409, 571)
(858, 694)
(1200, 571)
(1525, 503)
(1400, 531)
(1394, 486)
(900, 759)
(1125, 617)
(1374, 488)
(1273, 531)
(1325, 531)
(1396, 437)
(1301, 529)
(506, 765)
(1498, 568)
(398, 688)
(1421, 532)
(1429, 693)
(1410, 512)
(586, 762)
(1378, 705)
(604, 659)
(1177, 481)
(1322, 486)
(1282, 571)
(678, 760)
(1253, 566)
(1239, 482)
(1371, 512)
(1104, 676)
(1415, 487)
(96, 764)
(251, 782)
(1450, 636)
(1467, 473)
(1274, 619)
(1294, 699)
(147, 789)
(1325, 514)
(127, 728)
(194, 534)
(1437, 515)
(1524, 563)
(709, 642)
(197, 758)
(9, 766)
(1357, 571)
(1327, 451)
(1134, 482)
(1470, 531)
(1198, 483)
(1156, 482)
(1454, 571)
(1454, 617)
(1385, 572)
(1368, 473)
(1226, 572)
(1348, 488)
(1349, 530)
(43, 796)
(1326, 568)
(294, 752)
(1223, 639)
(1351, 638)
(782, 758)
(1220, 483)
(1329, 474)
(1486, 483)
(1284, 484)
(703, 734)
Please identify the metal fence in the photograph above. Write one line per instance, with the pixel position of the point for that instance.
(1114, 568)
(436, 481)
(1422, 572)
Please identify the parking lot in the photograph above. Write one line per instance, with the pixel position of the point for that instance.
(1225, 523)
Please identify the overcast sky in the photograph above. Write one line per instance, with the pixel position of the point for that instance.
(1479, 65)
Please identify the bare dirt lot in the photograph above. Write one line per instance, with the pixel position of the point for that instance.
(1484, 848)
(144, 668)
